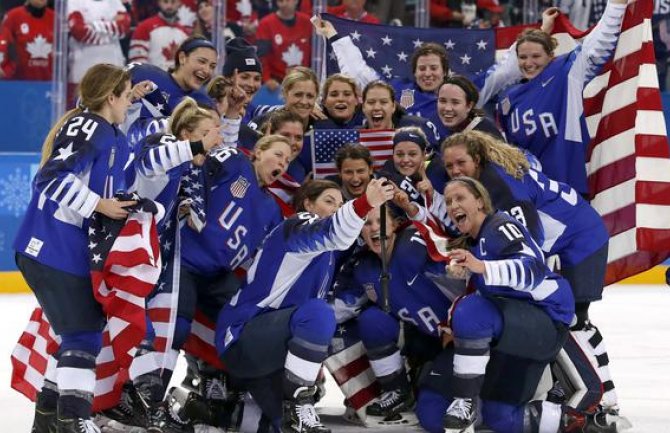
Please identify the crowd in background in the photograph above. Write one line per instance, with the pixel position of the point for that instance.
(149, 31)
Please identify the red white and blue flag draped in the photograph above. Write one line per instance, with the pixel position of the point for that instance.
(326, 142)
(628, 157)
(125, 265)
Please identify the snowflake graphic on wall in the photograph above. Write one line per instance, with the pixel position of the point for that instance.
(15, 192)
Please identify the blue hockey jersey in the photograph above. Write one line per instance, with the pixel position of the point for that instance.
(515, 268)
(419, 290)
(295, 263)
(545, 115)
(238, 216)
(161, 162)
(87, 163)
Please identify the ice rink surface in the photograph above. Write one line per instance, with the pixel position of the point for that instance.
(634, 321)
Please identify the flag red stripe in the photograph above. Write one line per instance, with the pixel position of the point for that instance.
(351, 369)
(620, 220)
(365, 396)
(613, 174)
(633, 264)
(659, 238)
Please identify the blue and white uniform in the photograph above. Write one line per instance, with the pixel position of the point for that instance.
(238, 216)
(86, 164)
(518, 316)
(545, 115)
(279, 319)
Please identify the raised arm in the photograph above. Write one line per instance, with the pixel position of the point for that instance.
(349, 57)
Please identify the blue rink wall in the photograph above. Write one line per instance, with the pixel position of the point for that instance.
(24, 122)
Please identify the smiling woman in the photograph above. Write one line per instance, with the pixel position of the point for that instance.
(194, 63)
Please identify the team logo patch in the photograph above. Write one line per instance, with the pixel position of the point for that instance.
(278, 39)
(370, 291)
(505, 106)
(24, 28)
(250, 62)
(407, 98)
(165, 95)
(239, 188)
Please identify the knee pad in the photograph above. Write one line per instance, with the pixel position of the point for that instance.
(314, 321)
(89, 342)
(182, 330)
(503, 417)
(377, 328)
(430, 409)
(476, 317)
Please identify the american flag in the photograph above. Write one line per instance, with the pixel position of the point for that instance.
(326, 142)
(125, 265)
(628, 157)
(388, 49)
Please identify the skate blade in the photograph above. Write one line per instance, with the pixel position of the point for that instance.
(622, 423)
(402, 418)
(204, 428)
(108, 425)
(470, 429)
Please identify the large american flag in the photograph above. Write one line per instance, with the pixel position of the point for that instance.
(388, 49)
(125, 265)
(326, 142)
(628, 157)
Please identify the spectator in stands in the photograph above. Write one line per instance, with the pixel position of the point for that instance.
(448, 13)
(283, 40)
(95, 31)
(241, 18)
(26, 37)
(156, 39)
(388, 10)
(353, 10)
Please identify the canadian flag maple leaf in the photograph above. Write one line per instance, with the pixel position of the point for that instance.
(39, 48)
(186, 16)
(170, 50)
(292, 56)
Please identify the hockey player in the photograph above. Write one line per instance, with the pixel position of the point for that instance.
(195, 62)
(274, 333)
(239, 213)
(457, 108)
(300, 88)
(340, 104)
(156, 39)
(162, 162)
(355, 170)
(26, 36)
(418, 96)
(565, 225)
(382, 112)
(544, 113)
(82, 164)
(420, 295)
(519, 308)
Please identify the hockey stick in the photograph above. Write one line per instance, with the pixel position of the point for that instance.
(384, 277)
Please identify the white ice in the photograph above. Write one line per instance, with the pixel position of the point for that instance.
(634, 320)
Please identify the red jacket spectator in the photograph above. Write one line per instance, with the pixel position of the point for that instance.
(353, 10)
(26, 38)
(283, 43)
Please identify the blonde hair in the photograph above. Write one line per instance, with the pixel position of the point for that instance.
(296, 75)
(266, 142)
(548, 42)
(186, 116)
(487, 148)
(99, 82)
(480, 192)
